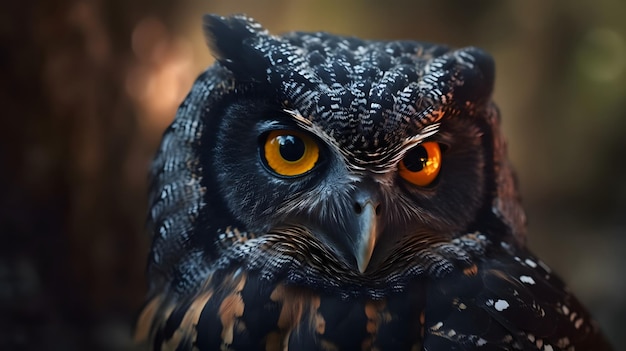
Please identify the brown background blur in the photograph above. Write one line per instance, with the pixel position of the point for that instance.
(87, 87)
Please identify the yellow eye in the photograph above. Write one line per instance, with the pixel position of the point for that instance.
(290, 153)
(421, 164)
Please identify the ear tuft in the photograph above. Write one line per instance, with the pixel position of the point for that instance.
(478, 74)
(230, 40)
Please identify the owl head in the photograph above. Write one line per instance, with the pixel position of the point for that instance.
(307, 155)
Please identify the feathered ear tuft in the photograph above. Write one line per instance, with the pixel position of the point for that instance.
(232, 39)
(477, 70)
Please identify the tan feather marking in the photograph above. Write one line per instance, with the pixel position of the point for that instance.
(273, 341)
(292, 306)
(377, 315)
(471, 271)
(146, 319)
(318, 320)
(231, 309)
(190, 320)
(295, 302)
(370, 312)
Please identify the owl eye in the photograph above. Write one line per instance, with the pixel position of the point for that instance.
(421, 164)
(290, 153)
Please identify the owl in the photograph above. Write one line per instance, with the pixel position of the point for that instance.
(323, 192)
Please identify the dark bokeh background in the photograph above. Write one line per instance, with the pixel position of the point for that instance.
(87, 87)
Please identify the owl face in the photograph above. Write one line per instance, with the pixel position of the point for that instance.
(334, 157)
(275, 171)
(344, 138)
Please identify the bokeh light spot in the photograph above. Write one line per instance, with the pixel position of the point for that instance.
(601, 55)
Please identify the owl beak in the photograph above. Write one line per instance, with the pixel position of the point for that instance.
(368, 229)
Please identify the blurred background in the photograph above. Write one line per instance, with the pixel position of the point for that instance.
(88, 86)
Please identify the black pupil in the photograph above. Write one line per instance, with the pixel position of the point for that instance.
(291, 147)
(416, 159)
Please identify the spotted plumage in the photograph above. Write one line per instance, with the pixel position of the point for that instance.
(319, 192)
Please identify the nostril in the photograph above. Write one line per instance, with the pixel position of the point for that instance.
(358, 208)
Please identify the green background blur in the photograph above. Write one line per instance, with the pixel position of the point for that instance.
(87, 87)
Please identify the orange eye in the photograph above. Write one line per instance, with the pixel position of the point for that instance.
(290, 153)
(421, 164)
